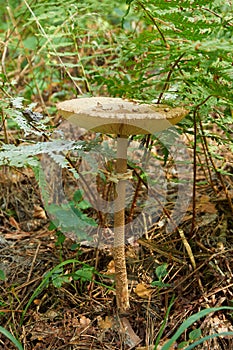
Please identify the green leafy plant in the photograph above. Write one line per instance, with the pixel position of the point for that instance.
(57, 277)
(2, 275)
(70, 217)
(164, 323)
(85, 274)
(2, 304)
(193, 335)
(155, 51)
(190, 321)
(161, 272)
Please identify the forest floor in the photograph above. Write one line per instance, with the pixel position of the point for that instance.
(58, 294)
(60, 312)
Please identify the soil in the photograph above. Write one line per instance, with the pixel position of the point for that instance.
(61, 311)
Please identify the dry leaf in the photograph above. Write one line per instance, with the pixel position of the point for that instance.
(131, 338)
(132, 250)
(110, 268)
(39, 212)
(205, 206)
(14, 223)
(105, 323)
(84, 321)
(143, 291)
(220, 326)
(51, 314)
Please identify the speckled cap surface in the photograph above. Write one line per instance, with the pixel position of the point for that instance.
(111, 115)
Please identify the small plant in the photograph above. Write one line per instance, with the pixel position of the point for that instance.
(161, 272)
(70, 217)
(2, 304)
(195, 334)
(57, 277)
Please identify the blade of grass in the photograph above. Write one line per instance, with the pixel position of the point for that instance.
(164, 323)
(44, 282)
(192, 319)
(200, 341)
(11, 337)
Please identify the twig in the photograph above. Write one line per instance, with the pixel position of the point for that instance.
(188, 248)
(4, 126)
(194, 172)
(140, 181)
(31, 268)
(195, 115)
(219, 175)
(4, 53)
(153, 246)
(33, 262)
(208, 167)
(165, 87)
(154, 22)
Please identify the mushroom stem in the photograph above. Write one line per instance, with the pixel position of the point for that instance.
(122, 295)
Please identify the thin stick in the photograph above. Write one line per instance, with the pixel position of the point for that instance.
(194, 173)
(33, 262)
(219, 175)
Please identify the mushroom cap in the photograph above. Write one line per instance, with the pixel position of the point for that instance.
(111, 115)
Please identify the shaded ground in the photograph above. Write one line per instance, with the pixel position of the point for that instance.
(81, 313)
(73, 307)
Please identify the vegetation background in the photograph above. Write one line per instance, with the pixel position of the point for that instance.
(172, 52)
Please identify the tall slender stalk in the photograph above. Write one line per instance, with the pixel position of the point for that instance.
(122, 295)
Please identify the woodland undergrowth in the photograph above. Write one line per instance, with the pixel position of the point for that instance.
(170, 52)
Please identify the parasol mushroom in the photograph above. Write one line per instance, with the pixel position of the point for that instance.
(123, 118)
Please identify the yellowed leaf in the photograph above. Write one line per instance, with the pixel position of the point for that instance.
(84, 321)
(14, 223)
(110, 268)
(204, 205)
(105, 323)
(39, 212)
(143, 291)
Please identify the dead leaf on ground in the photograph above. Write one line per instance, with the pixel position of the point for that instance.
(143, 291)
(39, 212)
(110, 268)
(205, 206)
(14, 223)
(105, 323)
(84, 321)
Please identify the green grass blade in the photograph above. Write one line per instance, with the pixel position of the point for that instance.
(200, 341)
(44, 282)
(11, 337)
(164, 323)
(192, 319)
